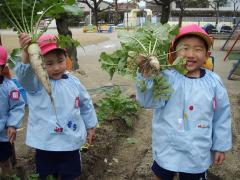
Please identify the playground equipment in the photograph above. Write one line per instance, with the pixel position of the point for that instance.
(138, 16)
(132, 19)
(105, 28)
(234, 55)
(235, 70)
(233, 50)
(234, 34)
(89, 28)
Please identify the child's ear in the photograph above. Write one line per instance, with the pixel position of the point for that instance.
(171, 55)
(69, 63)
(209, 53)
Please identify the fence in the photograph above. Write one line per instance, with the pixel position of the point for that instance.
(201, 21)
(205, 20)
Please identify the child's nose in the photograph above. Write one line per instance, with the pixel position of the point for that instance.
(55, 67)
(190, 52)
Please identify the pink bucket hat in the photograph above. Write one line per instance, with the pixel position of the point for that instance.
(3, 55)
(194, 30)
(47, 43)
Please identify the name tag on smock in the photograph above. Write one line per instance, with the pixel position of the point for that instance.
(77, 102)
(14, 95)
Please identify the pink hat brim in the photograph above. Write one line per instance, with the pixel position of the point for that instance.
(48, 48)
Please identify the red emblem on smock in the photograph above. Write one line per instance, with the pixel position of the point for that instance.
(58, 129)
(14, 94)
(77, 102)
(190, 108)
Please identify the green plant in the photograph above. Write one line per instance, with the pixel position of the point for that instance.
(116, 106)
(145, 50)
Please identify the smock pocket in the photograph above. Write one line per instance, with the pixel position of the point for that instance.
(182, 142)
(75, 128)
(161, 144)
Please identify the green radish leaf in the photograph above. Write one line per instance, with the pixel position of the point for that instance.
(131, 140)
(14, 57)
(148, 41)
(179, 61)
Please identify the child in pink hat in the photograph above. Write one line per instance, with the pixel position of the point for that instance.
(192, 129)
(57, 140)
(11, 114)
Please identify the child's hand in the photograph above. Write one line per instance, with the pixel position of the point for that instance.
(11, 133)
(90, 135)
(144, 70)
(24, 41)
(219, 158)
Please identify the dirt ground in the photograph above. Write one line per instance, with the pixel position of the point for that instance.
(119, 153)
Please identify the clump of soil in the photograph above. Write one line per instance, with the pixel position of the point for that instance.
(96, 159)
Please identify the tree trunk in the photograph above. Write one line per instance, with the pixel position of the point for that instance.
(116, 15)
(96, 18)
(165, 13)
(63, 29)
(217, 17)
(180, 18)
(217, 14)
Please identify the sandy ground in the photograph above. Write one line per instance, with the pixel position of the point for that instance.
(134, 160)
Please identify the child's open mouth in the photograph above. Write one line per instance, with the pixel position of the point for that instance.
(190, 63)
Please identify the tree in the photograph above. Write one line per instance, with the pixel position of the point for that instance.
(183, 4)
(116, 14)
(62, 10)
(165, 5)
(94, 5)
(236, 4)
(216, 4)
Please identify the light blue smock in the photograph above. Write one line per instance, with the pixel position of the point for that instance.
(11, 109)
(192, 124)
(42, 121)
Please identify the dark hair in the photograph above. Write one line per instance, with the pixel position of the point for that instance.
(190, 36)
(58, 51)
(2, 66)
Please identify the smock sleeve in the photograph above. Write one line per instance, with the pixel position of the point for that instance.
(222, 133)
(145, 98)
(87, 109)
(16, 107)
(2, 123)
(27, 78)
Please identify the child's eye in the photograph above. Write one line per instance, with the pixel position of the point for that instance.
(60, 60)
(199, 49)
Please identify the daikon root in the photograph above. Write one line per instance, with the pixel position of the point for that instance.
(37, 66)
(154, 62)
(36, 63)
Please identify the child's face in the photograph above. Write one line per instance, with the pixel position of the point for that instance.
(194, 52)
(55, 65)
